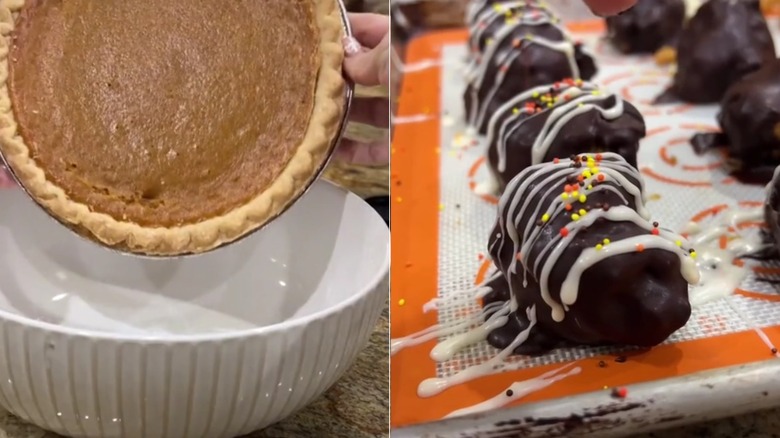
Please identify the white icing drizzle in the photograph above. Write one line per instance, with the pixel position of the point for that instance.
(571, 101)
(519, 198)
(719, 275)
(513, 15)
(440, 330)
(445, 350)
(519, 390)
(435, 385)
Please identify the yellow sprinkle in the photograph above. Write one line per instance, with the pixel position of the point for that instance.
(579, 105)
(594, 171)
(606, 241)
(441, 207)
(590, 187)
(401, 302)
(535, 94)
(599, 247)
(528, 36)
(545, 217)
(606, 387)
(586, 174)
(516, 111)
(549, 105)
(575, 194)
(583, 198)
(590, 158)
(678, 242)
(564, 196)
(693, 254)
(583, 212)
(595, 92)
(575, 217)
(399, 199)
(591, 164)
(489, 41)
(392, 150)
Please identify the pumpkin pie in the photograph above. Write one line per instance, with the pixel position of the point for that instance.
(167, 127)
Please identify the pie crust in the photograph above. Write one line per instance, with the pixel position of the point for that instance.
(303, 167)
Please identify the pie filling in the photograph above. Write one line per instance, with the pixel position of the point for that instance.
(164, 113)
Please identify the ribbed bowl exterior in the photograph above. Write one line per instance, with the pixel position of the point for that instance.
(85, 386)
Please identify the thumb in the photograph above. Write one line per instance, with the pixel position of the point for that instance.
(367, 67)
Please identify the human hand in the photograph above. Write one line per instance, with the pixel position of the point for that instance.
(367, 64)
(605, 8)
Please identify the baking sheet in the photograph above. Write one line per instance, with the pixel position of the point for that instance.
(681, 186)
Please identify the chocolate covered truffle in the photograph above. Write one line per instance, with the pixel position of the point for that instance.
(581, 260)
(515, 46)
(750, 125)
(559, 120)
(723, 42)
(646, 27)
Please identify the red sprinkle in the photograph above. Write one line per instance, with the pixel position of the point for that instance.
(598, 157)
(600, 177)
(480, 256)
(568, 207)
(564, 232)
(556, 160)
(621, 392)
(567, 188)
(655, 231)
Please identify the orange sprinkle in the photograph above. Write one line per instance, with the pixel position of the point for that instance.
(640, 247)
(567, 188)
(598, 157)
(519, 257)
(556, 160)
(600, 177)
(480, 256)
(580, 178)
(568, 207)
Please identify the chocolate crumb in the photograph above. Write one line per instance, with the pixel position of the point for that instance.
(620, 359)
(509, 393)
(602, 364)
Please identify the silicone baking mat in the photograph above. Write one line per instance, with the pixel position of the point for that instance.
(442, 220)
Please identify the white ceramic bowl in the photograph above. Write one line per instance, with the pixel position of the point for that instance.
(99, 344)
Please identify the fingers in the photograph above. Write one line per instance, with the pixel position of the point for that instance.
(604, 8)
(6, 180)
(368, 68)
(374, 111)
(369, 29)
(363, 154)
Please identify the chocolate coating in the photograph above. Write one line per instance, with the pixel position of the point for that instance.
(772, 209)
(750, 125)
(636, 298)
(723, 42)
(513, 62)
(646, 27)
(589, 131)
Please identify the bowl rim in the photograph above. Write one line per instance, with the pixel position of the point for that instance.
(360, 294)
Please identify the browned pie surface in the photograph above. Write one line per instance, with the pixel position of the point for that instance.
(164, 112)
